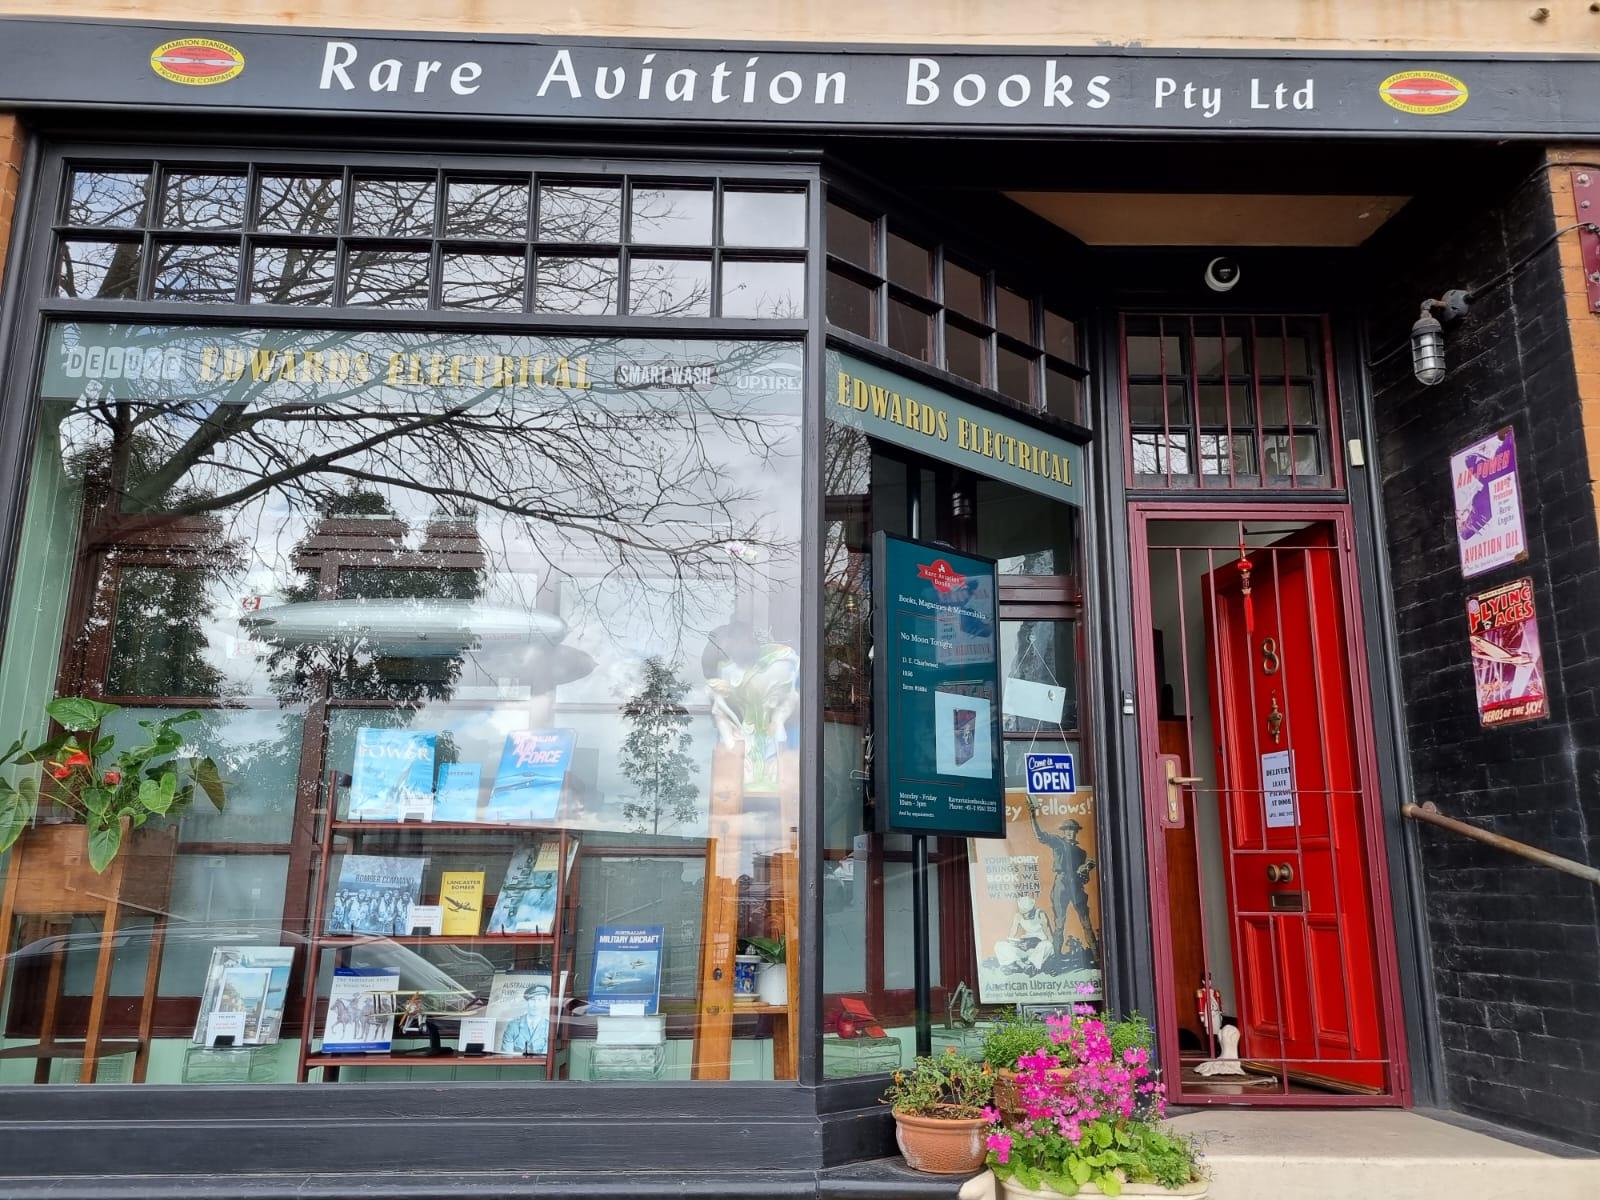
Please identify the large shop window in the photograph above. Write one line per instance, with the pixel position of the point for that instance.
(493, 639)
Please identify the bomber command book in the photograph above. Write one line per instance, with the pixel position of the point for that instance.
(393, 773)
(375, 895)
(461, 897)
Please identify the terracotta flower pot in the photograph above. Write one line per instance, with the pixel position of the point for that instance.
(1008, 1093)
(941, 1145)
(1010, 1189)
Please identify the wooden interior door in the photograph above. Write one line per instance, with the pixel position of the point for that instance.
(1298, 883)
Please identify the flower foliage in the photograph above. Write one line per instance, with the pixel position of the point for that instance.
(101, 784)
(948, 1085)
(1091, 1111)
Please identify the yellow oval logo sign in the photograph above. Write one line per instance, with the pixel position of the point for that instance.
(196, 61)
(1423, 92)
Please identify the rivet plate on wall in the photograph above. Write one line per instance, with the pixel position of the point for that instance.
(1586, 199)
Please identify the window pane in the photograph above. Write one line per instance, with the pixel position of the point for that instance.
(1209, 357)
(201, 201)
(431, 562)
(1155, 455)
(1061, 336)
(196, 271)
(570, 212)
(763, 289)
(98, 270)
(1307, 459)
(910, 265)
(488, 209)
(850, 237)
(1157, 404)
(1014, 315)
(1271, 347)
(1215, 451)
(850, 305)
(1045, 653)
(1299, 409)
(763, 218)
(669, 287)
(113, 198)
(910, 330)
(963, 292)
(1155, 355)
(575, 285)
(300, 204)
(292, 275)
(1223, 406)
(488, 281)
(1063, 395)
(392, 208)
(388, 278)
(668, 216)
(1028, 534)
(1015, 375)
(965, 353)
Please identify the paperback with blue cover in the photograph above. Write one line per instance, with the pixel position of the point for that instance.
(392, 767)
(360, 1016)
(375, 895)
(533, 771)
(627, 967)
(457, 796)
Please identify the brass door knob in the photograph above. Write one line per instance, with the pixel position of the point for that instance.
(1280, 873)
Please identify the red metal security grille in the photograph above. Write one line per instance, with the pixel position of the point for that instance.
(1227, 402)
(1267, 875)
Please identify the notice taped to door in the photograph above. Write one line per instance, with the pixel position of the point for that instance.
(1277, 789)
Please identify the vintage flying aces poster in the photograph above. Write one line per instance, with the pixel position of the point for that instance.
(1506, 664)
(1036, 902)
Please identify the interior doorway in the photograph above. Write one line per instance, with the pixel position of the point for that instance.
(1275, 965)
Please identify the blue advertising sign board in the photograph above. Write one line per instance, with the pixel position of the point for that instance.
(937, 757)
(1051, 775)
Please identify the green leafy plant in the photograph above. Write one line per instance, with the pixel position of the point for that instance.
(949, 1085)
(1132, 1032)
(111, 791)
(1011, 1038)
(771, 951)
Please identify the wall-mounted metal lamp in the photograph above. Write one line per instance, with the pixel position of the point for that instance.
(1427, 335)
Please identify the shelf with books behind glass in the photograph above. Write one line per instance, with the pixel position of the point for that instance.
(440, 943)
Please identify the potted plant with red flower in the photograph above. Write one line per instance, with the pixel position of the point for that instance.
(110, 790)
(941, 1109)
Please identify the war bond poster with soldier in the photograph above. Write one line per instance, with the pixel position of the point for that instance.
(1036, 902)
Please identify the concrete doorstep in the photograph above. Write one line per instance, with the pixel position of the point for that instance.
(1378, 1154)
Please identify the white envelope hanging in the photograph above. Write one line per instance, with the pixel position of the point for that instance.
(1034, 701)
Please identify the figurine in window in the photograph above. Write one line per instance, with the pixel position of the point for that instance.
(412, 1017)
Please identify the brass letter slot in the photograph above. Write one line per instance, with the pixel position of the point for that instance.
(1287, 902)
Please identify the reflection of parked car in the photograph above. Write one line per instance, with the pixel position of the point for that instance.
(457, 982)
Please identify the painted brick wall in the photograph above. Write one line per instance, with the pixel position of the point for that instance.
(1515, 946)
(12, 144)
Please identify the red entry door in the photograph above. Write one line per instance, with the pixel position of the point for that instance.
(1290, 793)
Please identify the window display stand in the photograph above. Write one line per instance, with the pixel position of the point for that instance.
(343, 837)
(727, 858)
(49, 882)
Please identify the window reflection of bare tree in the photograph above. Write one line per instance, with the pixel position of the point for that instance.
(846, 602)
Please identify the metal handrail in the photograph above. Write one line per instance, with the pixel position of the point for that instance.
(1430, 813)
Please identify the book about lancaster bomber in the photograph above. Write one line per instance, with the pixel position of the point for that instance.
(461, 897)
(375, 895)
(393, 773)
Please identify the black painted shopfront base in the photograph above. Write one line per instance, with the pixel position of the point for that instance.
(882, 1179)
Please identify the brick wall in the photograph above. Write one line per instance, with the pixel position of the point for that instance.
(12, 144)
(1515, 946)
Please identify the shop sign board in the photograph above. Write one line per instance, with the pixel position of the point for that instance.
(937, 749)
(893, 408)
(1489, 526)
(156, 65)
(1507, 667)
